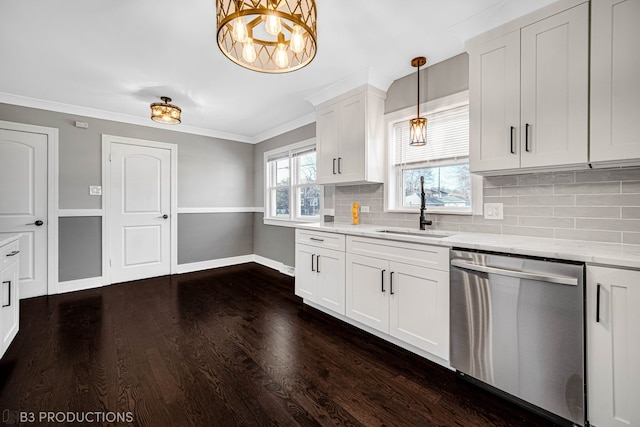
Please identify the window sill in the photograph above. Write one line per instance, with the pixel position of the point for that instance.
(286, 222)
(428, 212)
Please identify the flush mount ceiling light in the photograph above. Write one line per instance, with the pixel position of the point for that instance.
(418, 126)
(271, 36)
(165, 113)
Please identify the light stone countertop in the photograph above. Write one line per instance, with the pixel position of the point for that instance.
(611, 254)
(8, 238)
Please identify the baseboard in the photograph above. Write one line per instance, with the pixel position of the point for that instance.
(79, 285)
(243, 259)
(96, 282)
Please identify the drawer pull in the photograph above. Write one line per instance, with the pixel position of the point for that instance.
(8, 282)
(14, 253)
(316, 239)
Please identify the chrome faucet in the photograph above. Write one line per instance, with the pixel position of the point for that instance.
(423, 220)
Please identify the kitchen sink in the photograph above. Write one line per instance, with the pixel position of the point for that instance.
(427, 234)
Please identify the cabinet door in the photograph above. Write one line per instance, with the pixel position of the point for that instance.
(367, 299)
(327, 142)
(615, 87)
(306, 275)
(494, 102)
(10, 310)
(419, 307)
(351, 158)
(330, 266)
(554, 89)
(613, 345)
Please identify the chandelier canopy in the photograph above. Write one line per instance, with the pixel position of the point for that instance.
(270, 36)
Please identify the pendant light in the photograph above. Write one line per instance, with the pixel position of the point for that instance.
(165, 113)
(270, 36)
(418, 126)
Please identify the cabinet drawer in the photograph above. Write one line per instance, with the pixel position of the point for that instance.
(8, 254)
(430, 256)
(320, 239)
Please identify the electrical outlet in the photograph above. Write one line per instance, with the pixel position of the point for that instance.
(364, 209)
(493, 211)
(95, 190)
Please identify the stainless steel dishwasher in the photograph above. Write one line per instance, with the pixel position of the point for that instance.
(517, 325)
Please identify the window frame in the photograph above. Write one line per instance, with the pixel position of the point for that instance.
(289, 151)
(394, 176)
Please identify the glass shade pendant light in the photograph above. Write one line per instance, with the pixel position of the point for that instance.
(165, 113)
(418, 126)
(271, 36)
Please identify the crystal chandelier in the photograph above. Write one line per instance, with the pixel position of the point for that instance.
(271, 36)
(418, 126)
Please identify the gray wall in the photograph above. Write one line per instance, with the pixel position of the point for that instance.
(212, 172)
(269, 241)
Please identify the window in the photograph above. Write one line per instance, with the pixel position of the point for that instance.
(443, 162)
(291, 191)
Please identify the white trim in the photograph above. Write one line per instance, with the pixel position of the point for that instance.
(230, 209)
(52, 196)
(97, 282)
(366, 76)
(79, 212)
(242, 259)
(41, 104)
(107, 140)
(79, 285)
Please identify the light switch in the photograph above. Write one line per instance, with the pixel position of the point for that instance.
(95, 190)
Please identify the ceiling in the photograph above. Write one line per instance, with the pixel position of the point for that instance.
(111, 59)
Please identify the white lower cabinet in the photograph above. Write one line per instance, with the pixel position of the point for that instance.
(320, 271)
(613, 346)
(9, 297)
(403, 299)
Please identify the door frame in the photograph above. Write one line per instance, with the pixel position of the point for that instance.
(52, 196)
(107, 140)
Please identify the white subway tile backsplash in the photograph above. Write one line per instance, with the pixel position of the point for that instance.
(592, 205)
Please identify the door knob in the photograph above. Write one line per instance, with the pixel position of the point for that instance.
(165, 216)
(38, 223)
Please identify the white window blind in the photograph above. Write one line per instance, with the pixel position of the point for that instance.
(447, 138)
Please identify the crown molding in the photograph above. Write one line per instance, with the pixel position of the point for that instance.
(366, 76)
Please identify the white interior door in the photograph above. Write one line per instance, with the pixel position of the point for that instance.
(140, 208)
(23, 204)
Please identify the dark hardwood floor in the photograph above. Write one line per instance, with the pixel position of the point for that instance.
(226, 347)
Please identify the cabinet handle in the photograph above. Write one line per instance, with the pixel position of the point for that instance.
(313, 256)
(526, 138)
(339, 164)
(598, 303)
(334, 166)
(317, 263)
(14, 253)
(382, 279)
(391, 283)
(9, 283)
(316, 239)
(513, 147)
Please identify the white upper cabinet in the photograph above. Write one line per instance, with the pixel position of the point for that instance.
(529, 95)
(615, 86)
(350, 138)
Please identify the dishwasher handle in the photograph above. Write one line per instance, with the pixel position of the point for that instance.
(550, 278)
